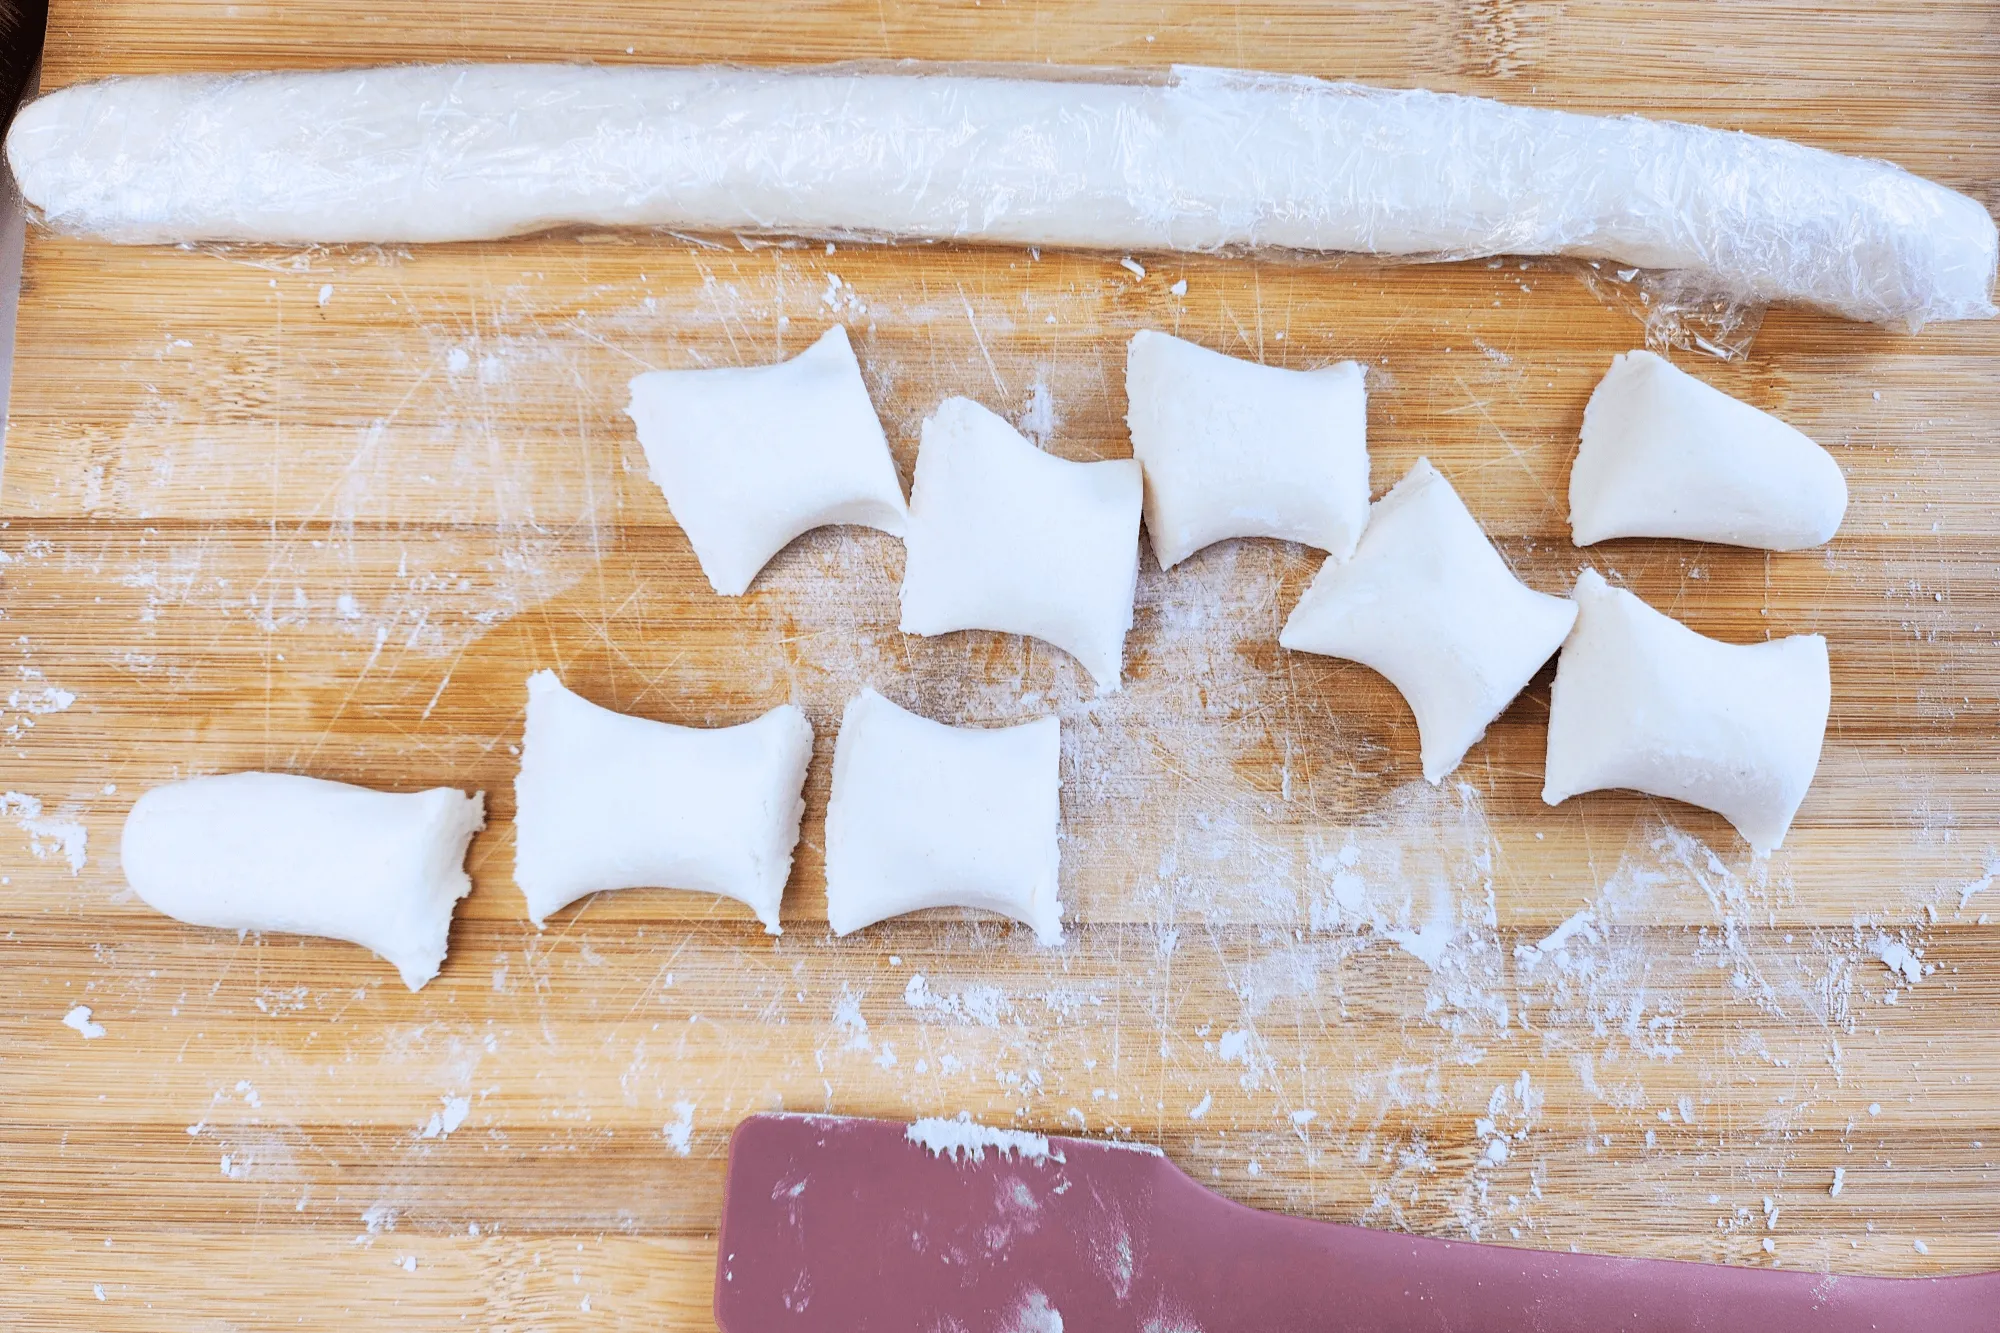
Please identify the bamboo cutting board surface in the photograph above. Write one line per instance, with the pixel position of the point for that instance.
(323, 512)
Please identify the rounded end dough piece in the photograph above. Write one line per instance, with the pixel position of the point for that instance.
(928, 815)
(1643, 702)
(1005, 537)
(275, 852)
(1665, 455)
(1231, 448)
(1429, 603)
(751, 457)
(605, 801)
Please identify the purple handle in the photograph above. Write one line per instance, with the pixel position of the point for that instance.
(845, 1226)
(1262, 1270)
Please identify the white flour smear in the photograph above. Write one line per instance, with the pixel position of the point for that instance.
(59, 836)
(442, 517)
(963, 1138)
(30, 700)
(497, 529)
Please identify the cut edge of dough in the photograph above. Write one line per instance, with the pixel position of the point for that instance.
(1169, 549)
(1596, 458)
(1593, 586)
(545, 681)
(459, 816)
(1410, 489)
(469, 817)
(1043, 911)
(1104, 663)
(732, 577)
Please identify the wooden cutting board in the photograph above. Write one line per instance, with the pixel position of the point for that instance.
(324, 512)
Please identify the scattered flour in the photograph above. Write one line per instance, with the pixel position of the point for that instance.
(1428, 942)
(1900, 959)
(1403, 880)
(48, 835)
(1967, 891)
(847, 1017)
(1035, 1314)
(79, 1018)
(679, 1131)
(32, 699)
(983, 1005)
(444, 1121)
(1243, 1046)
(40, 702)
(1038, 418)
(1582, 927)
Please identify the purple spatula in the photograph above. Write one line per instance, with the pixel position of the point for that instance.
(848, 1226)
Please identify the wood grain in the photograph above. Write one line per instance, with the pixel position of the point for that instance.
(325, 511)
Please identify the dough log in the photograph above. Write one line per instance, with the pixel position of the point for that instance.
(1429, 603)
(927, 815)
(752, 457)
(270, 851)
(1006, 537)
(1665, 455)
(1206, 160)
(1231, 448)
(1642, 701)
(606, 801)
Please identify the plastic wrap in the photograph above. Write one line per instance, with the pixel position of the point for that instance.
(1208, 160)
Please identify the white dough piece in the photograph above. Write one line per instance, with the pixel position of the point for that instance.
(1429, 603)
(751, 457)
(1204, 160)
(926, 815)
(607, 801)
(271, 851)
(1231, 448)
(1642, 701)
(1665, 455)
(1005, 537)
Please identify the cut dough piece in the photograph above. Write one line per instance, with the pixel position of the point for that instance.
(1203, 159)
(1642, 701)
(1430, 604)
(926, 815)
(1665, 455)
(1005, 537)
(606, 801)
(271, 851)
(1235, 449)
(751, 457)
